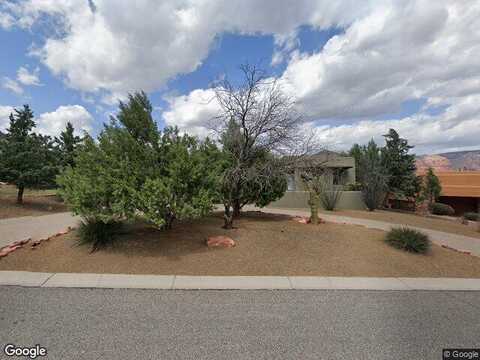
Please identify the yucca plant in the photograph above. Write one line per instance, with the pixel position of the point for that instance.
(408, 239)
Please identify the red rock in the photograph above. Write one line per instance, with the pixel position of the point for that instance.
(220, 241)
(306, 220)
(459, 251)
(301, 220)
(21, 242)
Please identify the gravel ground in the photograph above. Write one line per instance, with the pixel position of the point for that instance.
(267, 244)
(32, 206)
(142, 324)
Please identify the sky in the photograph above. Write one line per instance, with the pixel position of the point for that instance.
(355, 68)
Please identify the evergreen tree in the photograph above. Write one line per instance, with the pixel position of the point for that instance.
(67, 144)
(26, 159)
(134, 169)
(431, 187)
(356, 153)
(374, 176)
(400, 165)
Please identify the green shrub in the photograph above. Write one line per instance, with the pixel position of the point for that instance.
(408, 239)
(442, 209)
(471, 216)
(98, 233)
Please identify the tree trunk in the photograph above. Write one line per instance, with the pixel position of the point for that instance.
(236, 208)
(228, 218)
(313, 202)
(20, 194)
(169, 218)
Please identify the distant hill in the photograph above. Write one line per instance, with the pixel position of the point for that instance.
(459, 160)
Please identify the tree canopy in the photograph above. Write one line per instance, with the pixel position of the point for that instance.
(256, 123)
(400, 165)
(27, 159)
(133, 169)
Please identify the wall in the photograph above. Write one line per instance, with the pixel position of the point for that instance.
(299, 200)
(461, 204)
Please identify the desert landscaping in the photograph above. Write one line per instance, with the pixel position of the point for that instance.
(265, 244)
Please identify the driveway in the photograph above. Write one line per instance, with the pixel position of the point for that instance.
(35, 227)
(157, 324)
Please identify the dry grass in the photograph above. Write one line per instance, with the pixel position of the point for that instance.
(413, 220)
(266, 245)
(35, 202)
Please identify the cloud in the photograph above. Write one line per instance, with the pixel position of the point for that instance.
(25, 77)
(52, 123)
(6, 20)
(399, 52)
(394, 52)
(192, 113)
(12, 85)
(389, 52)
(455, 129)
(143, 45)
(5, 112)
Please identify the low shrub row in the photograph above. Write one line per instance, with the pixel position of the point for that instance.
(442, 209)
(471, 216)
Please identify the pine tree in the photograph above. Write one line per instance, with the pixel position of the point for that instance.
(400, 165)
(26, 159)
(431, 187)
(67, 144)
(374, 177)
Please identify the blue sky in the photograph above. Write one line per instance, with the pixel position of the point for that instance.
(353, 68)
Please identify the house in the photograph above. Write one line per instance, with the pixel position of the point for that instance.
(460, 190)
(343, 169)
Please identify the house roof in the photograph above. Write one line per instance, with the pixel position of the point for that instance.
(460, 183)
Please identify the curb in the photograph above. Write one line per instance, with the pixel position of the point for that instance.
(182, 282)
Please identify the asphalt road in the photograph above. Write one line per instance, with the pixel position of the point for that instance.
(154, 324)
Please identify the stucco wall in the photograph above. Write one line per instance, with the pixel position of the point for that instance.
(299, 200)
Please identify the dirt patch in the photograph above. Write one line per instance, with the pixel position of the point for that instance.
(32, 206)
(412, 220)
(266, 245)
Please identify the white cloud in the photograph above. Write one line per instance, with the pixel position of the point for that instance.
(406, 50)
(52, 123)
(12, 85)
(455, 129)
(6, 20)
(395, 52)
(5, 112)
(389, 52)
(141, 45)
(25, 77)
(192, 113)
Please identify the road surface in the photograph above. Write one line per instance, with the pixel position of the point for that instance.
(174, 324)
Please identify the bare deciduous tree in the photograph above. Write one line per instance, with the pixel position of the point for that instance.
(258, 126)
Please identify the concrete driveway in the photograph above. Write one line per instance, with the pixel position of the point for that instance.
(272, 324)
(35, 227)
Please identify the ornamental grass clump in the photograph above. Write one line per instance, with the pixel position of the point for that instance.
(408, 239)
(98, 233)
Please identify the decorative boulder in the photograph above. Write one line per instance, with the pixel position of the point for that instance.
(306, 220)
(220, 241)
